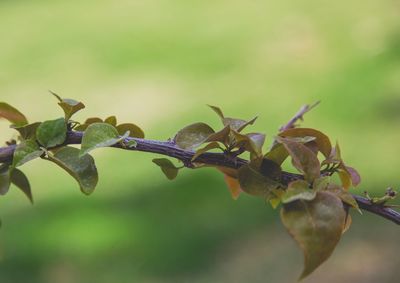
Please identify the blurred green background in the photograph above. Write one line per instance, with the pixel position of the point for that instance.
(158, 63)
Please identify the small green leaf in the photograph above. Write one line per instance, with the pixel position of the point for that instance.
(355, 176)
(316, 226)
(193, 135)
(28, 131)
(112, 120)
(298, 190)
(4, 179)
(167, 167)
(135, 131)
(254, 183)
(211, 145)
(26, 151)
(234, 123)
(303, 159)
(19, 179)
(52, 133)
(99, 135)
(131, 143)
(82, 169)
(321, 139)
(70, 106)
(12, 115)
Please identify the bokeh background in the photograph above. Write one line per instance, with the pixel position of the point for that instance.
(158, 63)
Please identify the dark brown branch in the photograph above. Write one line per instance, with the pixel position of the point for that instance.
(168, 148)
(380, 210)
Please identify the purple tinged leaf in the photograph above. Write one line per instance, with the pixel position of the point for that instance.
(193, 135)
(256, 142)
(254, 183)
(220, 136)
(316, 226)
(237, 124)
(250, 122)
(321, 139)
(234, 123)
(217, 110)
(12, 115)
(303, 159)
(252, 142)
(355, 176)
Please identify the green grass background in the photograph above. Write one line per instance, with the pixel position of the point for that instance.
(158, 63)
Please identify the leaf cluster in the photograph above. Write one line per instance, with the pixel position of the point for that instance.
(314, 207)
(46, 140)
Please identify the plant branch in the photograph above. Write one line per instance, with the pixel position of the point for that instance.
(169, 148)
(298, 116)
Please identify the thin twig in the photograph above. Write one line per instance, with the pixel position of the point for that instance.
(298, 116)
(169, 148)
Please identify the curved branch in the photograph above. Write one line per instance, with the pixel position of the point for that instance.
(169, 148)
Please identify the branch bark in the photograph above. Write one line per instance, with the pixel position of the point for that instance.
(169, 148)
